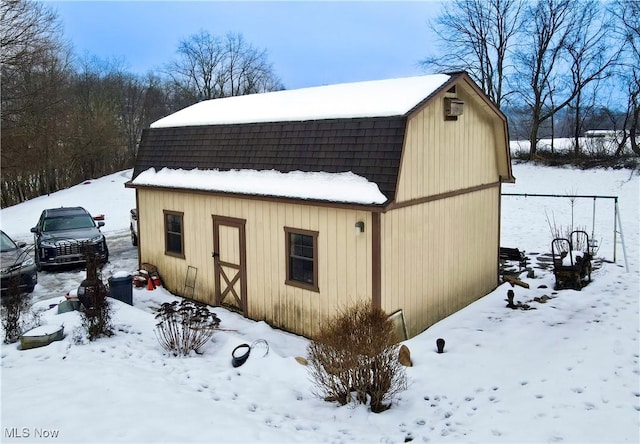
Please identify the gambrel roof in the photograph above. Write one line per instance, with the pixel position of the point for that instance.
(355, 127)
(368, 147)
(375, 98)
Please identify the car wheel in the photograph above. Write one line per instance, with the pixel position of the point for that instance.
(106, 256)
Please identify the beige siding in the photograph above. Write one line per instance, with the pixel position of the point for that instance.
(438, 257)
(442, 156)
(344, 257)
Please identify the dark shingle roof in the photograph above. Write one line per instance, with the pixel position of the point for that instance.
(368, 147)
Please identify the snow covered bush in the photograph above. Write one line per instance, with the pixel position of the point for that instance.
(355, 358)
(185, 326)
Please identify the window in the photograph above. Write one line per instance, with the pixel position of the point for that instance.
(302, 258)
(173, 235)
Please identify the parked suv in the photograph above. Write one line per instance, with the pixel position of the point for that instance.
(62, 235)
(16, 263)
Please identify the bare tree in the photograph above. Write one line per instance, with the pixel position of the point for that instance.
(245, 69)
(548, 31)
(139, 102)
(35, 66)
(477, 36)
(210, 67)
(556, 60)
(26, 29)
(63, 122)
(193, 73)
(590, 59)
(30, 39)
(101, 110)
(627, 14)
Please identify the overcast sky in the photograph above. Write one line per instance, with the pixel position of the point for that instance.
(309, 43)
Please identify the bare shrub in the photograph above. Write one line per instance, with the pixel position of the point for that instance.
(184, 327)
(557, 231)
(17, 315)
(96, 320)
(600, 147)
(96, 316)
(355, 358)
(578, 243)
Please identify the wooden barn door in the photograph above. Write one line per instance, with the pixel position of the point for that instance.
(229, 259)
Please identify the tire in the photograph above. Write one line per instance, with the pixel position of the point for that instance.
(103, 260)
(134, 238)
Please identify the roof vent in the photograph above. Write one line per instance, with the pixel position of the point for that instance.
(453, 108)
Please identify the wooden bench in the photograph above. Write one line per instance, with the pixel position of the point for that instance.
(513, 254)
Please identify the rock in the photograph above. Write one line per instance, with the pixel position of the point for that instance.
(404, 356)
(301, 360)
(542, 299)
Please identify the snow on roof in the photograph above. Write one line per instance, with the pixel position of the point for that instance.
(377, 98)
(334, 187)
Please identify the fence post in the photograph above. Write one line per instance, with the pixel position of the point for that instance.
(615, 231)
(593, 219)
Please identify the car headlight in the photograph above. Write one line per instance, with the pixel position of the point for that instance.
(29, 262)
(95, 240)
(47, 244)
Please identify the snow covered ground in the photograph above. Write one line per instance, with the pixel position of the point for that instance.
(565, 371)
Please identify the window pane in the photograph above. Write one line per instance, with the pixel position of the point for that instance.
(301, 270)
(302, 245)
(174, 243)
(173, 223)
(173, 226)
(301, 258)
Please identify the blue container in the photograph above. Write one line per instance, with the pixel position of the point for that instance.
(121, 288)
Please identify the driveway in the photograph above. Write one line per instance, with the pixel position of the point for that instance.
(122, 257)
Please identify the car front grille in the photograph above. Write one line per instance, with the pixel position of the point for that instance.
(73, 250)
(68, 248)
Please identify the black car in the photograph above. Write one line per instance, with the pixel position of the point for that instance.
(64, 235)
(16, 263)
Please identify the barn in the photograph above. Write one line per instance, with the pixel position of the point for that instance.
(291, 205)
